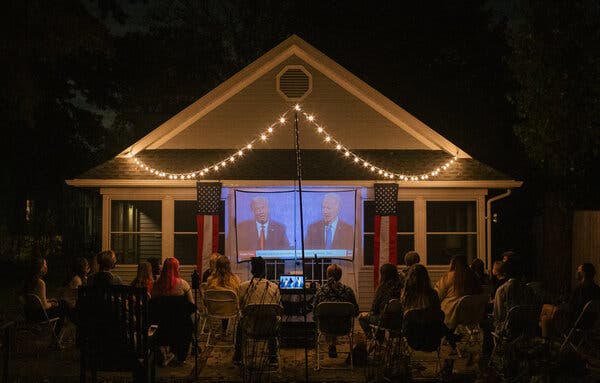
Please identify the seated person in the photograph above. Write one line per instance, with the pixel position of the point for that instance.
(410, 258)
(478, 268)
(456, 283)
(78, 277)
(585, 290)
(170, 284)
(514, 292)
(104, 277)
(258, 290)
(212, 264)
(334, 291)
(389, 288)
(223, 279)
(155, 263)
(498, 276)
(34, 284)
(418, 294)
(144, 277)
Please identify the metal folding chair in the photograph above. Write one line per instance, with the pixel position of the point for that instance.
(470, 312)
(423, 331)
(36, 316)
(260, 325)
(334, 319)
(220, 304)
(586, 328)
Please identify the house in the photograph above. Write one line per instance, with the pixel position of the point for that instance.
(149, 190)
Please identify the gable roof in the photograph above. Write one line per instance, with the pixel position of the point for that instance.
(294, 46)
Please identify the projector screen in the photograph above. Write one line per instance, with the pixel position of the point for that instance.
(267, 224)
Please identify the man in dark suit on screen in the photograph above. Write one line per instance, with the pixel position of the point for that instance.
(330, 232)
(261, 233)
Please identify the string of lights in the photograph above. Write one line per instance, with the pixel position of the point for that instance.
(358, 160)
(217, 165)
(264, 136)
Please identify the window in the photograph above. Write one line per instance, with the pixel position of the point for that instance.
(405, 235)
(135, 230)
(451, 230)
(186, 234)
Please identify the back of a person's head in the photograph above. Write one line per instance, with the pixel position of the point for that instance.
(106, 260)
(334, 271)
(388, 272)
(509, 254)
(168, 275)
(477, 266)
(258, 267)
(411, 258)
(144, 275)
(512, 268)
(80, 267)
(588, 270)
(498, 267)
(417, 278)
(155, 264)
(212, 263)
(222, 265)
(458, 262)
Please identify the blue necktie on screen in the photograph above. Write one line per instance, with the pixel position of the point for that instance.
(328, 236)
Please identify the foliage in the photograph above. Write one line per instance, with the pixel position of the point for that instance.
(555, 61)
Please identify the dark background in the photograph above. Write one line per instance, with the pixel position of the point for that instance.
(513, 83)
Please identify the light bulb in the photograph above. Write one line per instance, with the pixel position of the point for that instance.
(338, 146)
(356, 159)
(310, 117)
(347, 154)
(270, 130)
(263, 137)
(327, 139)
(320, 130)
(249, 146)
(297, 107)
(282, 120)
(240, 153)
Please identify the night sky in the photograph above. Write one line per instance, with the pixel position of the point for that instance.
(87, 78)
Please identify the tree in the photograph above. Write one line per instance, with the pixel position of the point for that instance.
(555, 62)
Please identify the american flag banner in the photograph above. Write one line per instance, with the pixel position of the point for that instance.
(207, 220)
(386, 227)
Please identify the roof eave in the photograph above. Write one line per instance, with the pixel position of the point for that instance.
(477, 184)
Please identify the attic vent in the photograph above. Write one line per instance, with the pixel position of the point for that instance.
(294, 82)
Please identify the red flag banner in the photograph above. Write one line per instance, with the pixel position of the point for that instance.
(207, 221)
(386, 227)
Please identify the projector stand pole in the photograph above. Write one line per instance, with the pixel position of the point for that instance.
(299, 177)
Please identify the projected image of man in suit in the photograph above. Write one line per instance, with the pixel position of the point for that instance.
(261, 233)
(330, 232)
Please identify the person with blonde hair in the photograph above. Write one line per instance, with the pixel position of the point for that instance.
(459, 281)
(212, 264)
(223, 278)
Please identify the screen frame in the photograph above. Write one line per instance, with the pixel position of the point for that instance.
(295, 192)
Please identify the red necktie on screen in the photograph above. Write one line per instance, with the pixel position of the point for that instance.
(261, 239)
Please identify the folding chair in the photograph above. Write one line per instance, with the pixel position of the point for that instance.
(585, 329)
(334, 319)
(37, 316)
(388, 358)
(512, 340)
(470, 312)
(423, 331)
(260, 325)
(220, 304)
